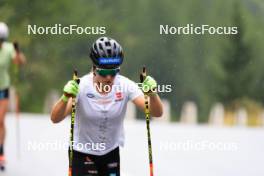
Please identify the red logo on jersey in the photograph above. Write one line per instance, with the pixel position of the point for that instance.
(119, 96)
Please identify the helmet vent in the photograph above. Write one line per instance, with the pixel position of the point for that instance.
(100, 46)
(95, 47)
(107, 44)
(109, 51)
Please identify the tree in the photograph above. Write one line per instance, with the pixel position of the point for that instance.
(236, 61)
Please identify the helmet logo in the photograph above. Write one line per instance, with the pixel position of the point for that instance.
(109, 61)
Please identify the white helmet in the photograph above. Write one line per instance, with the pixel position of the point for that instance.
(3, 31)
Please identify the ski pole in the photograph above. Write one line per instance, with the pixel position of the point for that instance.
(147, 114)
(17, 107)
(75, 77)
(18, 124)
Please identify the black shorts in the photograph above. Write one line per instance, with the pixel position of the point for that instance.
(4, 94)
(93, 165)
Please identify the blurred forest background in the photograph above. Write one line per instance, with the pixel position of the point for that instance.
(201, 68)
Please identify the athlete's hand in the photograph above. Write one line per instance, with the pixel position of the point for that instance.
(149, 86)
(71, 89)
(16, 46)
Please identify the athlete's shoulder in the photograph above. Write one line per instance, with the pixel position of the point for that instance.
(84, 80)
(124, 79)
(86, 76)
(8, 46)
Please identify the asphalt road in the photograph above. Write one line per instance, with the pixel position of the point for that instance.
(178, 149)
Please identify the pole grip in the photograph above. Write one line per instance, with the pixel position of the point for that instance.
(16, 46)
(143, 74)
(75, 76)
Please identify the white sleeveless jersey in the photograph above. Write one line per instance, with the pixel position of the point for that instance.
(99, 118)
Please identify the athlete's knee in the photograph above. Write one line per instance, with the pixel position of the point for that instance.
(2, 120)
(2, 124)
(3, 106)
(3, 110)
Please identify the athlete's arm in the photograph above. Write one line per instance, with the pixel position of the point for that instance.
(60, 110)
(149, 86)
(19, 57)
(156, 109)
(63, 107)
